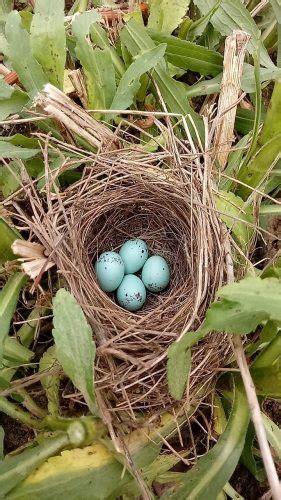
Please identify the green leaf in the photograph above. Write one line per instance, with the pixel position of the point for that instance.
(272, 124)
(13, 470)
(30, 72)
(10, 178)
(11, 100)
(8, 150)
(47, 39)
(244, 305)
(273, 434)
(231, 209)
(8, 301)
(97, 63)
(255, 172)
(7, 237)
(233, 15)
(247, 457)
(215, 468)
(178, 369)
(2, 435)
(130, 81)
(50, 382)
(165, 16)
(136, 39)
(74, 345)
(179, 362)
(189, 56)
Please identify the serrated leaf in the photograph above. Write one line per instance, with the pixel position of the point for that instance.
(97, 63)
(237, 217)
(130, 81)
(30, 72)
(50, 382)
(8, 301)
(47, 39)
(215, 468)
(74, 345)
(233, 15)
(165, 16)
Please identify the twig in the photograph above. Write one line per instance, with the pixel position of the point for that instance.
(252, 396)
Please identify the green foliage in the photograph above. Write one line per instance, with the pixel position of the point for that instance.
(47, 39)
(2, 435)
(237, 217)
(97, 63)
(214, 469)
(233, 15)
(8, 150)
(273, 434)
(8, 301)
(24, 63)
(11, 100)
(14, 469)
(7, 237)
(190, 56)
(130, 81)
(165, 16)
(75, 349)
(51, 382)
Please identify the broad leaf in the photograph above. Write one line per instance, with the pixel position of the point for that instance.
(248, 459)
(237, 216)
(8, 301)
(11, 100)
(272, 124)
(30, 72)
(8, 150)
(165, 16)
(97, 63)
(14, 469)
(189, 56)
(75, 348)
(136, 39)
(130, 81)
(215, 468)
(47, 38)
(233, 15)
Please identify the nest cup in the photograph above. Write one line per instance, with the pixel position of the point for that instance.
(170, 207)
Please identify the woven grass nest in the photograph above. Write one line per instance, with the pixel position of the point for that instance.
(165, 198)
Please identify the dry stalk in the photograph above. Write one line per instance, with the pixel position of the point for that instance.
(234, 54)
(75, 119)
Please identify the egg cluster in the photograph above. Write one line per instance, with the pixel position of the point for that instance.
(116, 272)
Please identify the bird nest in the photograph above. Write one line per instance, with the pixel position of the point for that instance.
(167, 200)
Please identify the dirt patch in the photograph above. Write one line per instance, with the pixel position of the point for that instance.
(16, 434)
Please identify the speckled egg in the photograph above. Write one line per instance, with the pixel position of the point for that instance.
(131, 294)
(155, 274)
(109, 270)
(134, 254)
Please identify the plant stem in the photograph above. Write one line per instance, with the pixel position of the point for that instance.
(15, 412)
(29, 403)
(253, 402)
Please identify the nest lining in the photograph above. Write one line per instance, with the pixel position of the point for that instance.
(170, 206)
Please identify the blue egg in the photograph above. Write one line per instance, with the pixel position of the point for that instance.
(131, 294)
(134, 254)
(110, 271)
(155, 274)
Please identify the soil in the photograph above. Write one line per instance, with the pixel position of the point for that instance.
(16, 434)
